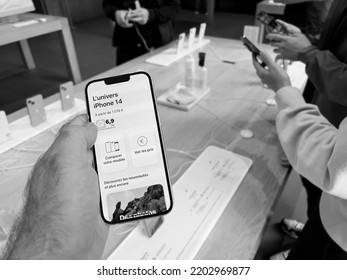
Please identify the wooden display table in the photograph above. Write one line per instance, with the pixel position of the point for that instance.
(48, 24)
(236, 101)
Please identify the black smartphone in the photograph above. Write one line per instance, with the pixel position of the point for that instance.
(271, 24)
(129, 153)
(253, 49)
(250, 46)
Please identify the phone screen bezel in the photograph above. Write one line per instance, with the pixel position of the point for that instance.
(121, 79)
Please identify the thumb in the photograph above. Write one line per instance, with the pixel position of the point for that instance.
(81, 128)
(79, 120)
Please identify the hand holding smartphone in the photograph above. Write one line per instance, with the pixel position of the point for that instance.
(129, 150)
(271, 24)
(134, 7)
(253, 49)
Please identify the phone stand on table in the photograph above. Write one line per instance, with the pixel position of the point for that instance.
(152, 224)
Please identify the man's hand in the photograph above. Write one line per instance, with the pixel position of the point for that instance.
(61, 218)
(288, 47)
(291, 29)
(274, 76)
(140, 16)
(122, 18)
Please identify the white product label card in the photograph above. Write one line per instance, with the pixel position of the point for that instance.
(191, 38)
(180, 43)
(252, 33)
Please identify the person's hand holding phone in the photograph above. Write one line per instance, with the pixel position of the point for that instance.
(61, 217)
(273, 75)
(129, 153)
(271, 24)
(291, 29)
(140, 16)
(123, 18)
(288, 47)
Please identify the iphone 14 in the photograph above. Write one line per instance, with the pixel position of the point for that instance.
(129, 153)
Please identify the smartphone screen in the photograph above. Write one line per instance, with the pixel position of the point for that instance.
(129, 151)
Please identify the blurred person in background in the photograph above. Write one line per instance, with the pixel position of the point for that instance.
(308, 15)
(141, 25)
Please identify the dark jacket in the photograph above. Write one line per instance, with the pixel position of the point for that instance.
(326, 66)
(308, 16)
(159, 29)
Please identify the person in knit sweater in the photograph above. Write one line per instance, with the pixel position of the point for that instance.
(318, 151)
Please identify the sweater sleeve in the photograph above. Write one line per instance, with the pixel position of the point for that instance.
(166, 12)
(314, 147)
(327, 73)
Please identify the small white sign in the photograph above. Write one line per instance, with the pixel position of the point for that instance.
(180, 43)
(202, 31)
(252, 33)
(191, 38)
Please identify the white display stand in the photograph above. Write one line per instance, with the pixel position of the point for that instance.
(170, 56)
(196, 97)
(21, 129)
(199, 198)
